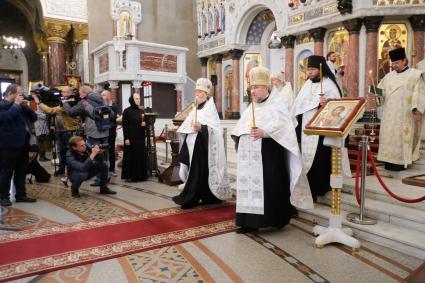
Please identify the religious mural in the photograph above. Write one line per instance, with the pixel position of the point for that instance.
(211, 17)
(228, 85)
(391, 36)
(338, 43)
(302, 68)
(250, 61)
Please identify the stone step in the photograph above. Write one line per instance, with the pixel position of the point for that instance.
(396, 214)
(376, 192)
(402, 239)
(399, 174)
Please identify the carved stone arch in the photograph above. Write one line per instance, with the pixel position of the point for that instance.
(247, 14)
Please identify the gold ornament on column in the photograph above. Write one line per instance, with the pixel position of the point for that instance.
(40, 41)
(56, 31)
(80, 32)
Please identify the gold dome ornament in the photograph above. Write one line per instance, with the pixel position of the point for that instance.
(259, 76)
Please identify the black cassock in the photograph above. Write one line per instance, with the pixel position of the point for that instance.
(319, 176)
(134, 159)
(196, 188)
(276, 182)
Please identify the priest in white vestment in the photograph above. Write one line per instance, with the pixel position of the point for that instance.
(284, 88)
(402, 115)
(269, 161)
(202, 154)
(315, 155)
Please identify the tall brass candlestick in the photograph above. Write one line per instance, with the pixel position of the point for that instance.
(321, 81)
(253, 113)
(196, 109)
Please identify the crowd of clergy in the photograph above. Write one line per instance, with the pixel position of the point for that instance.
(279, 167)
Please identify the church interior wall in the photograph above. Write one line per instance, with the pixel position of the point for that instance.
(13, 22)
(173, 23)
(100, 26)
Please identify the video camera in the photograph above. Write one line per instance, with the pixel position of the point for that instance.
(53, 96)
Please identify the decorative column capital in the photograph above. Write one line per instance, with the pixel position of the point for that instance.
(113, 84)
(179, 87)
(41, 43)
(318, 34)
(417, 22)
(204, 61)
(289, 41)
(80, 32)
(56, 31)
(353, 26)
(136, 84)
(236, 54)
(372, 23)
(218, 58)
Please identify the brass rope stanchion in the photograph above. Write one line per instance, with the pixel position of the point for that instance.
(359, 218)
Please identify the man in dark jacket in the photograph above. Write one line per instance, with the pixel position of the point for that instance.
(85, 108)
(83, 165)
(15, 118)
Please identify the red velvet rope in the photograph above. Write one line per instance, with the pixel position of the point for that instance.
(372, 162)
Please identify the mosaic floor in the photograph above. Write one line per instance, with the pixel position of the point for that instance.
(274, 256)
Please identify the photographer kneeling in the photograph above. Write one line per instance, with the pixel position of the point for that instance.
(83, 165)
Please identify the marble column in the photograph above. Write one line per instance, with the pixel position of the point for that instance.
(204, 63)
(318, 35)
(418, 26)
(236, 90)
(56, 37)
(352, 69)
(218, 88)
(372, 25)
(179, 91)
(289, 43)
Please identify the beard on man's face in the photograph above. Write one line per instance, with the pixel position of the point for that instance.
(315, 79)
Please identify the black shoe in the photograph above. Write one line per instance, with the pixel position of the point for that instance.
(95, 184)
(25, 199)
(58, 173)
(6, 202)
(244, 230)
(107, 191)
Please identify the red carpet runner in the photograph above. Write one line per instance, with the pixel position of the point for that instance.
(41, 250)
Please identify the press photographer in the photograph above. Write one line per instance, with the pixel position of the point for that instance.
(84, 164)
(15, 123)
(65, 125)
(96, 116)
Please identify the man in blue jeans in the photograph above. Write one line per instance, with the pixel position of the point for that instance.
(84, 164)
